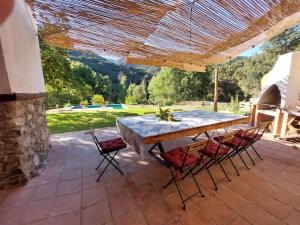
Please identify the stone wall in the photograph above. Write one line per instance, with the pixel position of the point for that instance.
(23, 140)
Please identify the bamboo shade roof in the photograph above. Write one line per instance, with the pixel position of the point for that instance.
(184, 34)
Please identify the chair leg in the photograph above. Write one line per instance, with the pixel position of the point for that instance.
(113, 159)
(170, 182)
(250, 157)
(109, 162)
(198, 187)
(216, 188)
(238, 153)
(177, 187)
(256, 152)
(100, 163)
(237, 172)
(224, 171)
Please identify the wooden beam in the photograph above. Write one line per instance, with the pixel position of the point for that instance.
(21, 96)
(216, 94)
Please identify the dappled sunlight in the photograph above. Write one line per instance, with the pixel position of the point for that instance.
(143, 162)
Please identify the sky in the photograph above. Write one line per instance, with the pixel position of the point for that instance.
(252, 51)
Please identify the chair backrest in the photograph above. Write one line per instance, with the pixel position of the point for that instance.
(96, 141)
(194, 147)
(262, 127)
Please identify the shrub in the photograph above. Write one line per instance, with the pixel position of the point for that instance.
(85, 102)
(235, 104)
(67, 105)
(168, 102)
(130, 100)
(60, 99)
(98, 99)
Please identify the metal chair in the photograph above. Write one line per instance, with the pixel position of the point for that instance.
(178, 161)
(253, 135)
(215, 152)
(108, 150)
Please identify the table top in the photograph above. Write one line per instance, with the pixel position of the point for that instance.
(151, 129)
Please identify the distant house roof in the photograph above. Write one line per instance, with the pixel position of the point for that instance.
(176, 33)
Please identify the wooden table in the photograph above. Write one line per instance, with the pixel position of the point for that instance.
(140, 130)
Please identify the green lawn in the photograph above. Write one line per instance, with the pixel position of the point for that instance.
(75, 121)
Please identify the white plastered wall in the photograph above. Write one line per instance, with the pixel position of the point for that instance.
(20, 53)
(293, 90)
(286, 76)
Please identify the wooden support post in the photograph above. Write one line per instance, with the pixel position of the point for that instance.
(216, 90)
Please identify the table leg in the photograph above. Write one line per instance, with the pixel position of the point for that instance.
(207, 135)
(157, 156)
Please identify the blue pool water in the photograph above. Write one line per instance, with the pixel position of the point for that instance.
(93, 106)
(115, 106)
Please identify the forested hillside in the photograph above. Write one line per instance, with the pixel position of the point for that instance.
(74, 77)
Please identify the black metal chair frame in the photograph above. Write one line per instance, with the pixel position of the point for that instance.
(182, 170)
(215, 160)
(109, 157)
(259, 132)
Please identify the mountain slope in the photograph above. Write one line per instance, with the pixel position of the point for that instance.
(134, 73)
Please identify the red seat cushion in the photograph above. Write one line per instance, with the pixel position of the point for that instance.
(251, 136)
(235, 142)
(176, 156)
(112, 145)
(213, 149)
(219, 138)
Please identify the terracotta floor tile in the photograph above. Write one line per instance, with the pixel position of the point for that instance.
(18, 197)
(68, 187)
(66, 203)
(286, 185)
(231, 198)
(238, 220)
(195, 216)
(38, 222)
(122, 205)
(157, 212)
(65, 219)
(137, 180)
(12, 216)
(38, 210)
(133, 218)
(293, 218)
(46, 191)
(216, 210)
(273, 206)
(258, 216)
(111, 175)
(96, 214)
(3, 194)
(93, 195)
(89, 171)
(90, 182)
(143, 194)
(116, 188)
(71, 174)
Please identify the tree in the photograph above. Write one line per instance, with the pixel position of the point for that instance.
(161, 86)
(98, 99)
(122, 87)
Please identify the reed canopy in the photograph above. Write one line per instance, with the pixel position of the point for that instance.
(183, 34)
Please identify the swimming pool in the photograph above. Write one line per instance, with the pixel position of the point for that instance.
(115, 106)
(108, 106)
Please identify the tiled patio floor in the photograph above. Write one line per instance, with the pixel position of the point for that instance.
(67, 194)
